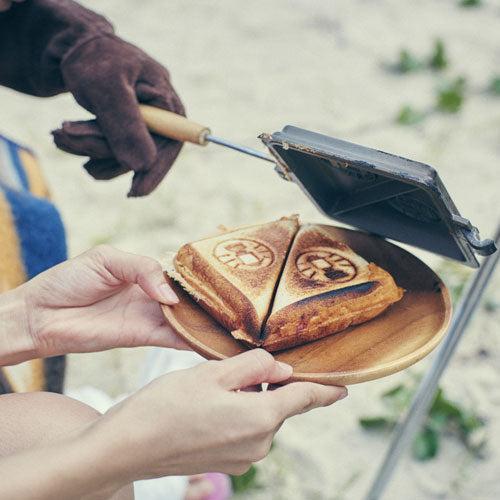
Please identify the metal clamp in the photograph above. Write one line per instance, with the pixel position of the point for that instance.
(482, 247)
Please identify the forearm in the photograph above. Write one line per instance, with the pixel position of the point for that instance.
(78, 466)
(36, 35)
(16, 343)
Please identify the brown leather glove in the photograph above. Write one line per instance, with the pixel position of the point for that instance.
(52, 46)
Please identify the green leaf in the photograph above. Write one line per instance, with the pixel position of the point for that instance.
(443, 416)
(396, 391)
(399, 398)
(246, 481)
(409, 116)
(444, 407)
(495, 85)
(470, 3)
(377, 423)
(491, 305)
(450, 96)
(437, 422)
(407, 62)
(425, 444)
(438, 60)
(469, 422)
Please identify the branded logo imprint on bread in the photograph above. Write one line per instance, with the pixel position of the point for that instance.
(241, 253)
(325, 265)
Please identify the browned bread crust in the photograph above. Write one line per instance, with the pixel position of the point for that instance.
(233, 274)
(329, 312)
(216, 294)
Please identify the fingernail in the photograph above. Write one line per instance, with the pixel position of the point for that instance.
(343, 395)
(168, 294)
(285, 368)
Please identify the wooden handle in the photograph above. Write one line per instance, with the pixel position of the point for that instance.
(172, 125)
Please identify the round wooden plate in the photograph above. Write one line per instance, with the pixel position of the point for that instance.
(398, 338)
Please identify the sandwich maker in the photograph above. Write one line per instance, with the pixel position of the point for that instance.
(380, 193)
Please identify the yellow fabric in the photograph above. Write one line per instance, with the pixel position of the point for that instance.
(28, 376)
(37, 184)
(12, 271)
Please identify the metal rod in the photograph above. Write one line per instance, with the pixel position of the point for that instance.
(239, 147)
(422, 400)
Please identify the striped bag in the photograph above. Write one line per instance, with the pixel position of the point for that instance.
(32, 239)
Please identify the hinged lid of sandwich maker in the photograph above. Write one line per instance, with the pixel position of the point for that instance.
(378, 192)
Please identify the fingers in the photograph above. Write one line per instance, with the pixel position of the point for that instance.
(158, 92)
(126, 132)
(130, 268)
(166, 337)
(117, 112)
(300, 397)
(145, 181)
(105, 169)
(119, 131)
(252, 368)
(85, 138)
(82, 138)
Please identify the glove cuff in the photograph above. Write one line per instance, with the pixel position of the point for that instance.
(37, 35)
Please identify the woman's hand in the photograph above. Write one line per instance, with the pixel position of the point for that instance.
(201, 419)
(103, 299)
(186, 422)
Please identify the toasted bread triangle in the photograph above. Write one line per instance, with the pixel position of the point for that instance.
(233, 275)
(325, 287)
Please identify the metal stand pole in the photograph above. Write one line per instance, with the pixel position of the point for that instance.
(422, 400)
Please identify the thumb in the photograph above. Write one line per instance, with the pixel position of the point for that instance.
(253, 367)
(299, 397)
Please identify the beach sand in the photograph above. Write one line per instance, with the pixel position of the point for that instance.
(243, 68)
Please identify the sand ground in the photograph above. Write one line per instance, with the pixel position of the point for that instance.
(243, 68)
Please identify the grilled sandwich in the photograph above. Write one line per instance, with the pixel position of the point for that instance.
(325, 287)
(278, 285)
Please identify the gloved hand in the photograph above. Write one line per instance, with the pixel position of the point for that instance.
(108, 77)
(52, 46)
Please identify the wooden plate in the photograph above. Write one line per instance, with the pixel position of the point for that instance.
(396, 339)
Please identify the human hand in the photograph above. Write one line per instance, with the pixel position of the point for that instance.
(67, 47)
(109, 77)
(104, 298)
(201, 419)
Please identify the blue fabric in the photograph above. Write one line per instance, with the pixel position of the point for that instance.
(32, 239)
(39, 229)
